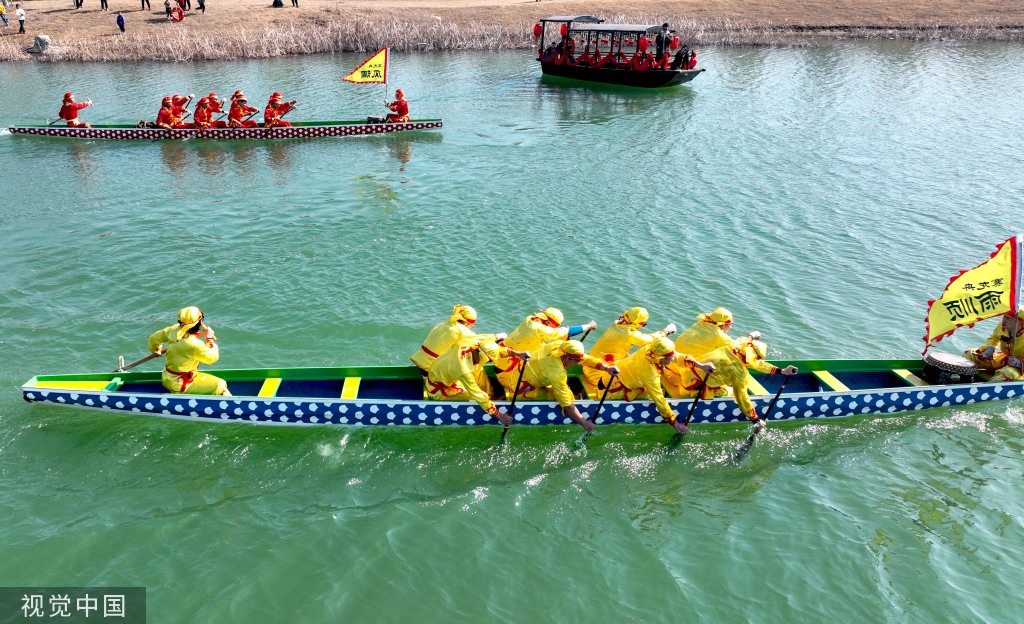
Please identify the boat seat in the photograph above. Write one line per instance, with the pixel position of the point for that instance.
(909, 377)
(754, 386)
(830, 381)
(269, 387)
(350, 389)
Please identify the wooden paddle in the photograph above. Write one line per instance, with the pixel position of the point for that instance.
(745, 447)
(593, 417)
(696, 399)
(512, 405)
(122, 367)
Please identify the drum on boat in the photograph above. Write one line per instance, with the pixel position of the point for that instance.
(946, 368)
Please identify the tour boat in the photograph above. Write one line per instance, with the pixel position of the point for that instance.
(583, 47)
(298, 130)
(393, 395)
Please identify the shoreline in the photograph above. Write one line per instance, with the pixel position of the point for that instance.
(253, 29)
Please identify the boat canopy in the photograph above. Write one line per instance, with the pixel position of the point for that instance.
(621, 28)
(581, 19)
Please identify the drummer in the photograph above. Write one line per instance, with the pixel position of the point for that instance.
(1003, 351)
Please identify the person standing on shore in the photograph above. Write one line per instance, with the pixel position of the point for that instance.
(3, 15)
(103, 5)
(201, 4)
(120, 22)
(20, 14)
(167, 8)
(146, 5)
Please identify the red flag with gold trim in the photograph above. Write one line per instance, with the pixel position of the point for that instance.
(374, 70)
(990, 289)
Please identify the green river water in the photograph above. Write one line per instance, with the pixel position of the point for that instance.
(822, 194)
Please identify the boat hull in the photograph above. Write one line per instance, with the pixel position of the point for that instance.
(626, 77)
(394, 397)
(302, 130)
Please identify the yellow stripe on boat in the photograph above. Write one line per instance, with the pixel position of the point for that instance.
(754, 386)
(73, 385)
(830, 381)
(351, 388)
(270, 386)
(910, 377)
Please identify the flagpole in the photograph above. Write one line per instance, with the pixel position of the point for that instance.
(1015, 304)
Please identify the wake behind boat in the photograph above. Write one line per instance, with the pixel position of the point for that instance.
(298, 130)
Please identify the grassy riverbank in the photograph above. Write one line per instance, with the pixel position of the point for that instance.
(253, 29)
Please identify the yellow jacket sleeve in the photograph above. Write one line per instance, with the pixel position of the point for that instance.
(158, 338)
(651, 380)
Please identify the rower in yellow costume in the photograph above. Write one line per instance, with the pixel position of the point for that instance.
(445, 334)
(453, 375)
(730, 375)
(640, 377)
(534, 331)
(1003, 351)
(544, 377)
(710, 332)
(617, 340)
(189, 343)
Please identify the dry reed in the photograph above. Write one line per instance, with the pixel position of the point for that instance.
(330, 31)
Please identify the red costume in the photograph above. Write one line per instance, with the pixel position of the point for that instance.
(274, 110)
(240, 109)
(202, 117)
(401, 108)
(216, 107)
(165, 118)
(69, 111)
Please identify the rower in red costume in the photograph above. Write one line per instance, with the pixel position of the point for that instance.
(275, 110)
(216, 107)
(165, 118)
(69, 111)
(179, 104)
(400, 107)
(240, 109)
(202, 117)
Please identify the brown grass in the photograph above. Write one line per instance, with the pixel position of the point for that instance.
(251, 29)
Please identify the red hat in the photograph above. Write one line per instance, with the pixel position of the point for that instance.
(275, 96)
(212, 96)
(68, 96)
(399, 92)
(167, 100)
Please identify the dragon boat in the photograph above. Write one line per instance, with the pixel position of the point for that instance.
(583, 47)
(393, 395)
(298, 130)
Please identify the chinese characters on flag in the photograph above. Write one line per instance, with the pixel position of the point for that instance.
(990, 289)
(373, 70)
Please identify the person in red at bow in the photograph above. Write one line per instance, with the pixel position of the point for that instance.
(165, 118)
(275, 110)
(69, 111)
(216, 107)
(202, 118)
(240, 111)
(400, 107)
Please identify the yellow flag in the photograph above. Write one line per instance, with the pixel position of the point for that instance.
(373, 69)
(990, 289)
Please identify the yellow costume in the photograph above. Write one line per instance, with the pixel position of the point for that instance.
(706, 335)
(185, 351)
(615, 343)
(529, 335)
(444, 335)
(640, 376)
(545, 377)
(731, 364)
(1004, 343)
(453, 377)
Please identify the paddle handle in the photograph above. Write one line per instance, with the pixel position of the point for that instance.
(512, 405)
(122, 367)
(696, 399)
(771, 406)
(600, 404)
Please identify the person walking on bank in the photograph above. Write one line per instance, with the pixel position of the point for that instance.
(201, 4)
(120, 22)
(146, 5)
(20, 14)
(189, 344)
(3, 15)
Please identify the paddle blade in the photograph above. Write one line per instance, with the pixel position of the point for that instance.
(741, 452)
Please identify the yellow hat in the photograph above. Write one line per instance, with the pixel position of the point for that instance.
(188, 318)
(571, 347)
(753, 350)
(636, 316)
(553, 315)
(462, 313)
(661, 347)
(720, 316)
